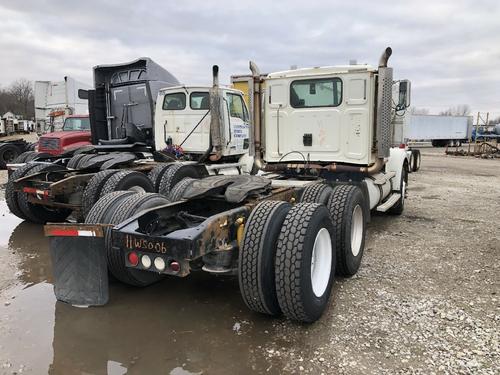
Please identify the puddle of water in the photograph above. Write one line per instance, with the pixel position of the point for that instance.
(178, 326)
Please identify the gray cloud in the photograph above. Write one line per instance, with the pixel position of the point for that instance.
(447, 48)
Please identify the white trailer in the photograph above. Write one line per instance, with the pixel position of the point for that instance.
(54, 100)
(440, 130)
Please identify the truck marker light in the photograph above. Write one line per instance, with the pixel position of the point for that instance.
(133, 258)
(402, 145)
(175, 266)
(159, 264)
(146, 261)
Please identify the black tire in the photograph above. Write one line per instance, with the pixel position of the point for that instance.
(157, 173)
(102, 210)
(82, 162)
(398, 208)
(256, 271)
(84, 150)
(177, 191)
(22, 158)
(317, 193)
(121, 211)
(174, 174)
(11, 196)
(28, 156)
(416, 160)
(37, 213)
(73, 162)
(342, 205)
(127, 180)
(8, 153)
(294, 252)
(92, 191)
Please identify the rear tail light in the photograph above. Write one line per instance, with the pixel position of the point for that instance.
(175, 266)
(133, 258)
(146, 261)
(159, 264)
(402, 145)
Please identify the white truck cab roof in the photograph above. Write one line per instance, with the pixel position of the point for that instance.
(197, 88)
(322, 70)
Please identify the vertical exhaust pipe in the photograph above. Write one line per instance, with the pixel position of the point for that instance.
(383, 111)
(256, 123)
(216, 119)
(382, 62)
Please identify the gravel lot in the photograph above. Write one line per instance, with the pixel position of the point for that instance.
(425, 301)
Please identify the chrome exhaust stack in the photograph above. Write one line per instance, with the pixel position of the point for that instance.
(216, 119)
(384, 108)
(382, 62)
(256, 119)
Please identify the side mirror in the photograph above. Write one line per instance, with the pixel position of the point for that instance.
(404, 97)
(83, 94)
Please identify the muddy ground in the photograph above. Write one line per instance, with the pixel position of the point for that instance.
(426, 300)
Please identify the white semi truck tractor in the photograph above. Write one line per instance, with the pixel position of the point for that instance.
(323, 161)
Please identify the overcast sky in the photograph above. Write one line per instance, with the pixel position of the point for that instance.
(450, 49)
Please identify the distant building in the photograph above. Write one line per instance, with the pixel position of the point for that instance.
(9, 116)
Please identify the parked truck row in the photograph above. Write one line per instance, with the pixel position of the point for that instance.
(182, 179)
(61, 119)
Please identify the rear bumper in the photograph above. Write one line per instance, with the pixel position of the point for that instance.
(215, 235)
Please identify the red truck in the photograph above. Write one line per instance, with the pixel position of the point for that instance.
(74, 134)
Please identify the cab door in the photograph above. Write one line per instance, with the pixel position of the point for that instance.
(238, 129)
(356, 117)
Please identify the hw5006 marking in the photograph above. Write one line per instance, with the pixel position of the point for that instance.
(144, 244)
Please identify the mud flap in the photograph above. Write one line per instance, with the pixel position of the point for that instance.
(79, 263)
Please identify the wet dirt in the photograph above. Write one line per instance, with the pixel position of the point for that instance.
(425, 300)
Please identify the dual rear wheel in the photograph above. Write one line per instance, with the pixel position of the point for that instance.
(289, 255)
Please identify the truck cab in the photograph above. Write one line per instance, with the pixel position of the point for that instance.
(183, 118)
(74, 133)
(322, 114)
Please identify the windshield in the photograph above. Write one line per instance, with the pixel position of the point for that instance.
(76, 123)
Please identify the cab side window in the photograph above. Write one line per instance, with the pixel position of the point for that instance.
(199, 100)
(174, 101)
(237, 107)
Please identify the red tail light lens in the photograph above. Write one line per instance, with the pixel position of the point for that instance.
(175, 266)
(402, 145)
(133, 259)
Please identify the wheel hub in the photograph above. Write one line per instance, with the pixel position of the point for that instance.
(356, 230)
(321, 262)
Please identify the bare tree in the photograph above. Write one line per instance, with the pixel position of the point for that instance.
(21, 91)
(459, 110)
(419, 111)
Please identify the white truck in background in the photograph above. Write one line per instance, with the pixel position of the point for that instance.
(55, 100)
(439, 130)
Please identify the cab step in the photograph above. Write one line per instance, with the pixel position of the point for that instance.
(393, 199)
